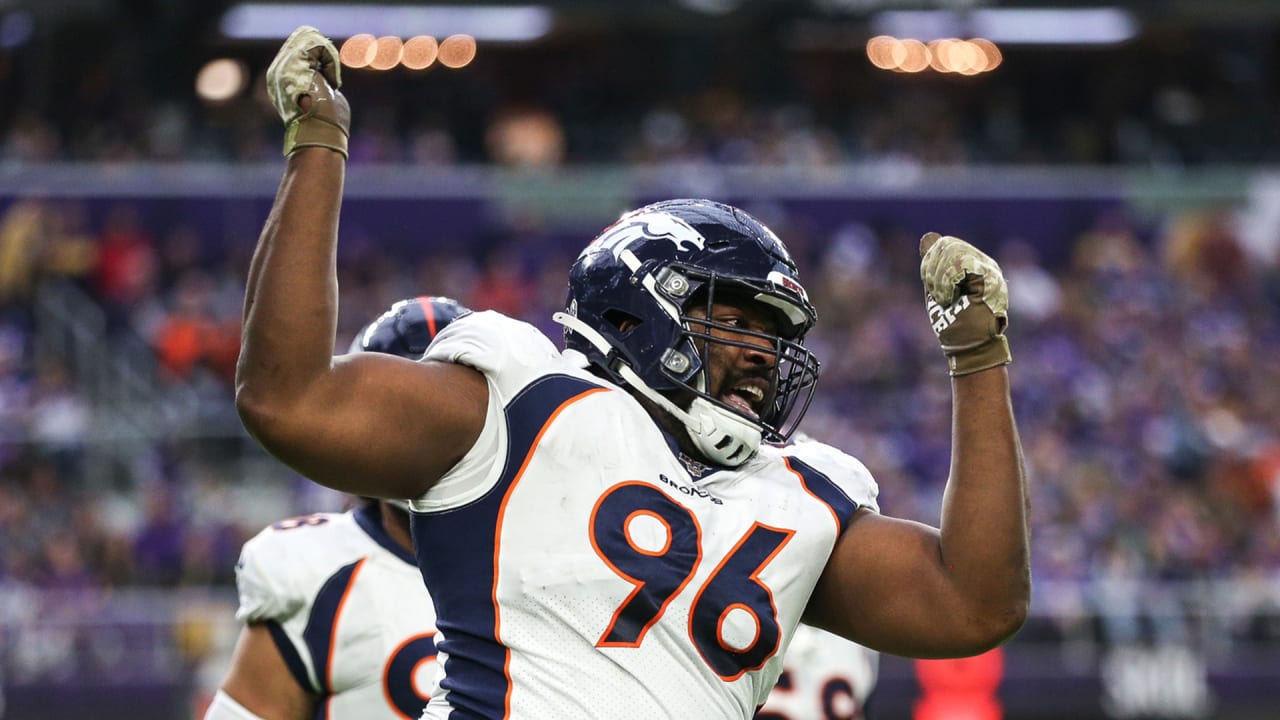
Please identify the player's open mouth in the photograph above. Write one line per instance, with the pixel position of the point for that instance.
(747, 396)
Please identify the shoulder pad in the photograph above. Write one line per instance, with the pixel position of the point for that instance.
(842, 468)
(281, 567)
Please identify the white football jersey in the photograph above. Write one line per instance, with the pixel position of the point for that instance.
(348, 611)
(583, 568)
(824, 677)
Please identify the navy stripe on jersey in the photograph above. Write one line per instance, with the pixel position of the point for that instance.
(289, 653)
(821, 487)
(369, 518)
(456, 552)
(318, 634)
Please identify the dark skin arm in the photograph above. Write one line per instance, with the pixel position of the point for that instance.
(261, 682)
(910, 589)
(367, 423)
(904, 587)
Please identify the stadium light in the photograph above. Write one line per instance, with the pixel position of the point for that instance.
(1013, 26)
(221, 79)
(489, 23)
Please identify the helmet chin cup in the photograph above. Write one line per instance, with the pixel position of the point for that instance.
(722, 436)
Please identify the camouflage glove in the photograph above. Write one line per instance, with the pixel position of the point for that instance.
(307, 65)
(967, 301)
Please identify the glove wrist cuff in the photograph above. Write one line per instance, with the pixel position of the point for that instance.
(315, 131)
(993, 353)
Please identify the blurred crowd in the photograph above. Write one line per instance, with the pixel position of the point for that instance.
(1146, 369)
(933, 121)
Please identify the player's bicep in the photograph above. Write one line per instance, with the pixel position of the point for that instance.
(884, 587)
(260, 681)
(381, 425)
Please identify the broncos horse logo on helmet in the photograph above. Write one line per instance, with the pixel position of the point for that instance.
(649, 226)
(629, 294)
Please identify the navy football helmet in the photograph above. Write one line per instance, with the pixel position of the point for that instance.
(630, 292)
(408, 326)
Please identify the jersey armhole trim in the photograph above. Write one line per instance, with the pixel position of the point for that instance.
(821, 488)
(289, 654)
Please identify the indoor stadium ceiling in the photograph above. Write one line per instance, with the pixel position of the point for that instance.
(1180, 12)
(1208, 11)
(586, 16)
(207, 25)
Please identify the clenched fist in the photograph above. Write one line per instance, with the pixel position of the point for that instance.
(307, 66)
(967, 301)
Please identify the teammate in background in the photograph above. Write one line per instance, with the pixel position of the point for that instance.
(338, 623)
(618, 530)
(824, 677)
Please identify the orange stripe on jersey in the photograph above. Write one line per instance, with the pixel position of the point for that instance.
(805, 485)
(497, 534)
(333, 632)
(429, 312)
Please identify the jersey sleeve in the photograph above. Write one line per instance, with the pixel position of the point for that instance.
(274, 582)
(264, 581)
(845, 471)
(511, 354)
(510, 351)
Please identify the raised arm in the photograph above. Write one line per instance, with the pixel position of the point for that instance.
(910, 589)
(367, 423)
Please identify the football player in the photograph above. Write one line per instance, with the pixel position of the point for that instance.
(618, 529)
(824, 677)
(337, 621)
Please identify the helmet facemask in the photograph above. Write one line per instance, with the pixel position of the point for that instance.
(792, 372)
(640, 306)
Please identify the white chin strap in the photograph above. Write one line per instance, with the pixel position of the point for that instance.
(722, 437)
